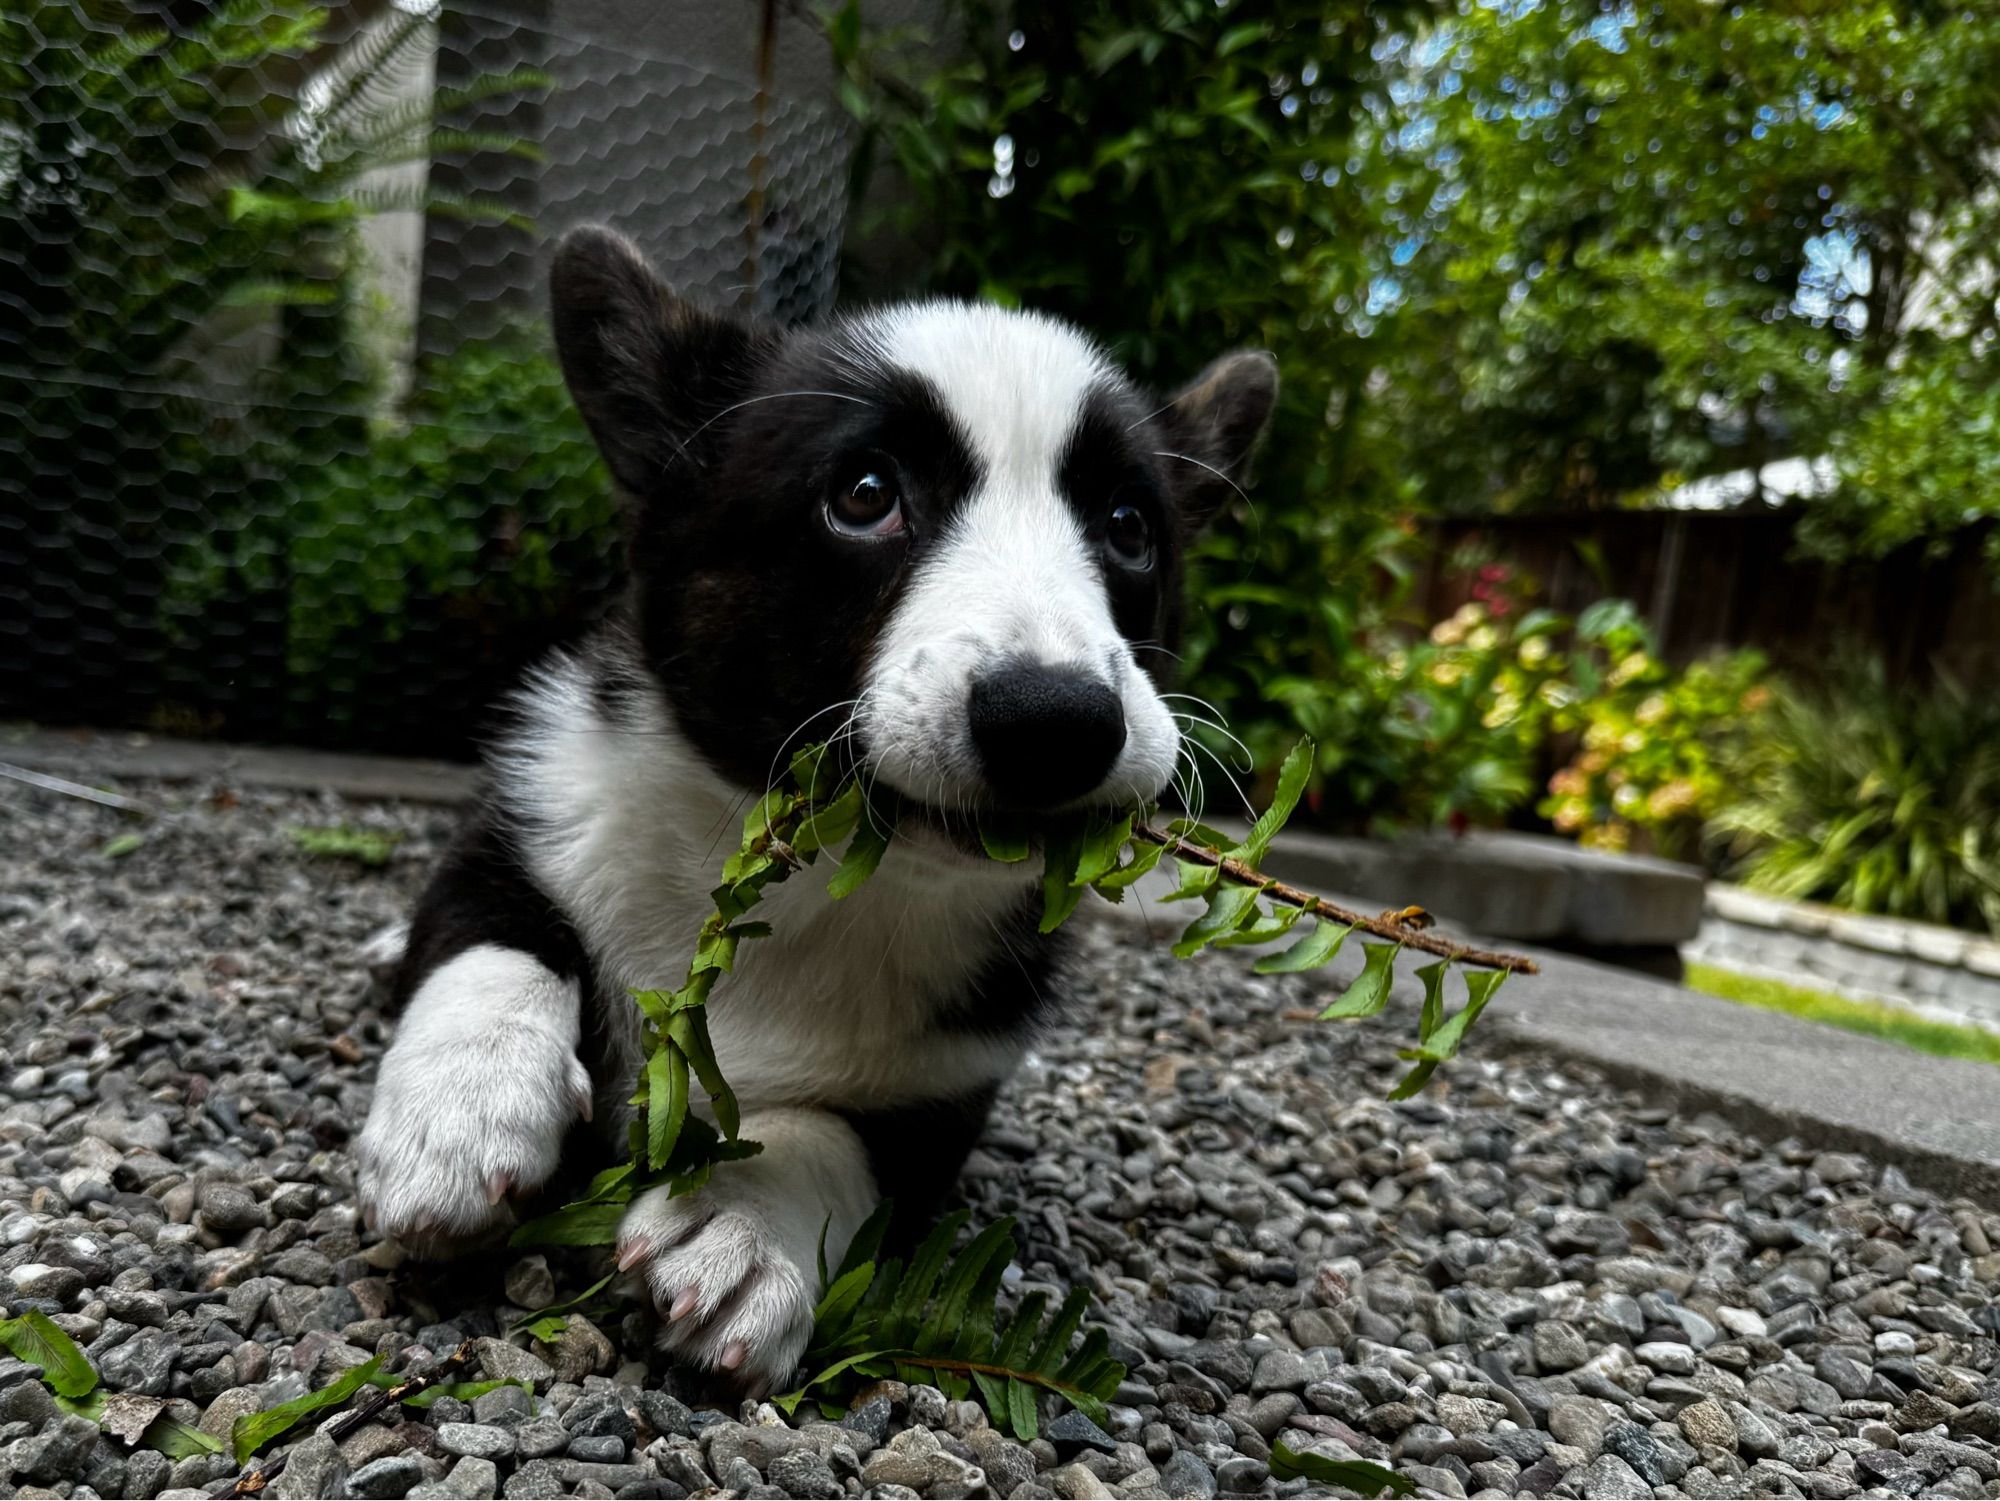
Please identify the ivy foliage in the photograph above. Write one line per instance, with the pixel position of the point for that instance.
(936, 1317)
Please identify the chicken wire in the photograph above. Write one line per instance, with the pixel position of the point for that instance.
(283, 450)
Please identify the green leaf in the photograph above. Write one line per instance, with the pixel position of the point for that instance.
(990, 1250)
(253, 1430)
(122, 846)
(1443, 1043)
(715, 950)
(546, 1328)
(1021, 1411)
(914, 1290)
(1228, 909)
(864, 854)
(1008, 843)
(666, 1102)
(828, 825)
(572, 1225)
(814, 773)
(757, 822)
(1292, 777)
(1408, 1086)
(66, 1371)
(90, 1405)
(1101, 848)
(1200, 834)
(462, 1391)
(1357, 1475)
(1059, 894)
(612, 1186)
(1433, 977)
(555, 1311)
(867, 1242)
(1053, 1348)
(176, 1440)
(842, 1298)
(689, 1032)
(1370, 991)
(1315, 949)
(1145, 855)
(1273, 925)
(1197, 879)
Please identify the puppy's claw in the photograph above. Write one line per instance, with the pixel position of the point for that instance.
(631, 1254)
(733, 1355)
(497, 1186)
(684, 1305)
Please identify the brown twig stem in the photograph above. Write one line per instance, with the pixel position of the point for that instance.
(1409, 935)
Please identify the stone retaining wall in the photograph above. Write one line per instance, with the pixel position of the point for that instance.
(1941, 972)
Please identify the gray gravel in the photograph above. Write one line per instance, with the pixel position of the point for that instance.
(1528, 1283)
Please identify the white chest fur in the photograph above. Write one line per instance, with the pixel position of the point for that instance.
(625, 828)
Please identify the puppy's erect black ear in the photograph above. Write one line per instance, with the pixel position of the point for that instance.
(645, 366)
(1215, 423)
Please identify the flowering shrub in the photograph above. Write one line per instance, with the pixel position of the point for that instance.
(1652, 744)
(1445, 728)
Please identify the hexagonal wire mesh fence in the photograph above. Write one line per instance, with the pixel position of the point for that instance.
(283, 451)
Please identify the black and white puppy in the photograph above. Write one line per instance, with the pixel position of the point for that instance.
(948, 536)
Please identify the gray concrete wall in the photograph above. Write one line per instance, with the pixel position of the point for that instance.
(1934, 971)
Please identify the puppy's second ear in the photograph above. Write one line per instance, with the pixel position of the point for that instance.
(645, 366)
(1214, 424)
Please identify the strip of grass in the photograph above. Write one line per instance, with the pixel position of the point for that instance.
(1945, 1039)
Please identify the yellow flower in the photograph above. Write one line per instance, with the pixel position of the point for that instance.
(1534, 651)
(1653, 710)
(1615, 836)
(1483, 639)
(1672, 800)
(1632, 667)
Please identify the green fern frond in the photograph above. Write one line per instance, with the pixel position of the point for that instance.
(939, 1323)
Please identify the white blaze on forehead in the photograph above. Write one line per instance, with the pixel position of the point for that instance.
(1015, 382)
(1013, 574)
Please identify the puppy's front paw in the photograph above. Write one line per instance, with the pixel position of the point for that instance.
(734, 1294)
(734, 1268)
(461, 1121)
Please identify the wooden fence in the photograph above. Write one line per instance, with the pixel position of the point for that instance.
(1709, 581)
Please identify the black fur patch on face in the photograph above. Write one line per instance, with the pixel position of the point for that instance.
(1108, 465)
(755, 612)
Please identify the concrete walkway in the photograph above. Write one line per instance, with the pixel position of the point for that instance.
(1938, 1119)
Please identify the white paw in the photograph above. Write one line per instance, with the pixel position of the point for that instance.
(732, 1295)
(472, 1103)
(734, 1268)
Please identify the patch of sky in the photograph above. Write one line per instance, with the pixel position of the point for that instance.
(1384, 293)
(1609, 29)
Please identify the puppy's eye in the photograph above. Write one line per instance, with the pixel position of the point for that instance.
(1128, 537)
(866, 503)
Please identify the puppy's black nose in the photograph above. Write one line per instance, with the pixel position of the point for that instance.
(1045, 735)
